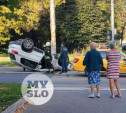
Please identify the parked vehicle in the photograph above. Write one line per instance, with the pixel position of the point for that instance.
(124, 48)
(23, 53)
(78, 65)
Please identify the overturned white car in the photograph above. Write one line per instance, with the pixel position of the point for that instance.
(23, 53)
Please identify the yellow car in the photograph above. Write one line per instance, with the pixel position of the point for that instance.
(78, 65)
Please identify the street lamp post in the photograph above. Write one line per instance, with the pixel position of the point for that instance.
(112, 19)
(52, 27)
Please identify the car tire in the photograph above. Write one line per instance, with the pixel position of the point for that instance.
(27, 45)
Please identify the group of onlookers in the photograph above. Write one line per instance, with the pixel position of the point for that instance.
(93, 62)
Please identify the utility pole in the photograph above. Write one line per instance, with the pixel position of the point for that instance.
(53, 27)
(112, 19)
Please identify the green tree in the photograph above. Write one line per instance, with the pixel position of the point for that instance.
(67, 24)
(120, 18)
(25, 15)
(81, 21)
(78, 22)
(93, 22)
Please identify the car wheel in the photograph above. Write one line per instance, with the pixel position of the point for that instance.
(27, 44)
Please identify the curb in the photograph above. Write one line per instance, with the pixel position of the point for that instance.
(14, 70)
(14, 108)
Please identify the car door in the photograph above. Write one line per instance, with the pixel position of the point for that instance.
(123, 64)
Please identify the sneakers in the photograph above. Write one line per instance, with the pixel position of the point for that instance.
(92, 95)
(98, 95)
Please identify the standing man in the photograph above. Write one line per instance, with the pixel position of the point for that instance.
(64, 57)
(93, 62)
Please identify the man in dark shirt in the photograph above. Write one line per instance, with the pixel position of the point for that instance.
(64, 57)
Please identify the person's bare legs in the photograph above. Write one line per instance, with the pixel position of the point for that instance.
(117, 87)
(98, 88)
(92, 91)
(98, 91)
(92, 88)
(111, 87)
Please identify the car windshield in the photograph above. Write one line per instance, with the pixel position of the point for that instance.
(103, 54)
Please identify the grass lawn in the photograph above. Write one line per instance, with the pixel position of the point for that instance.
(4, 55)
(124, 52)
(71, 59)
(118, 48)
(9, 93)
(6, 62)
(4, 52)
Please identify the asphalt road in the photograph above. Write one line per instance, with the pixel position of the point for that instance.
(77, 102)
(74, 80)
(70, 95)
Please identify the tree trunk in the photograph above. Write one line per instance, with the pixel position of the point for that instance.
(52, 27)
(122, 35)
(121, 42)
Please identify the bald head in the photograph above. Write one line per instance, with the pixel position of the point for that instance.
(93, 45)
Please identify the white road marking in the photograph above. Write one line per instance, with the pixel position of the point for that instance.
(82, 89)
